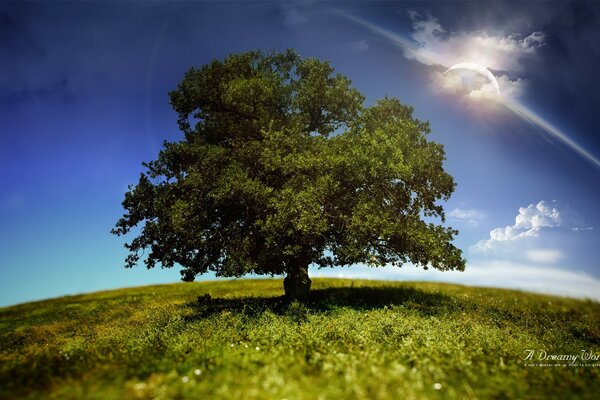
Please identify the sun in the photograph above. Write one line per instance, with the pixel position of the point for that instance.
(479, 69)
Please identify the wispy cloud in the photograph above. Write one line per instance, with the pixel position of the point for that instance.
(469, 217)
(547, 237)
(495, 51)
(493, 273)
(433, 45)
(502, 53)
(475, 87)
(545, 255)
(545, 251)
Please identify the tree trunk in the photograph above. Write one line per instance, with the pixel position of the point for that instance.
(297, 283)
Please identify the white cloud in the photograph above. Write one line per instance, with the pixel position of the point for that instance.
(461, 213)
(546, 250)
(469, 217)
(544, 255)
(501, 53)
(494, 51)
(547, 214)
(479, 88)
(445, 84)
(510, 89)
(494, 273)
(537, 225)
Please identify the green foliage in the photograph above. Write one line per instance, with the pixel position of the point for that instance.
(351, 339)
(282, 166)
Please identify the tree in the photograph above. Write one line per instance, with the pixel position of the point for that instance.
(282, 167)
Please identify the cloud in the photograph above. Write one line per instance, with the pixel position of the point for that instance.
(510, 88)
(544, 256)
(547, 234)
(503, 54)
(492, 273)
(537, 225)
(469, 217)
(548, 249)
(547, 214)
(494, 51)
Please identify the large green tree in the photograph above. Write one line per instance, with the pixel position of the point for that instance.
(282, 167)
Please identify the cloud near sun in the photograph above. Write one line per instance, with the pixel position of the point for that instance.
(502, 54)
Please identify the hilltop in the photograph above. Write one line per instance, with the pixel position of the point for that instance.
(353, 339)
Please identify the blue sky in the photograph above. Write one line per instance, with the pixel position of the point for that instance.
(83, 101)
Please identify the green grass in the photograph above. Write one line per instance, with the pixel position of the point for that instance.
(353, 339)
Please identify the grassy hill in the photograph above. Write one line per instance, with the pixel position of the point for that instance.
(354, 339)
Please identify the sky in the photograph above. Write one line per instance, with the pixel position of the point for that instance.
(84, 101)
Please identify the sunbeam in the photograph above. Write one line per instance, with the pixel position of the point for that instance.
(413, 51)
(556, 133)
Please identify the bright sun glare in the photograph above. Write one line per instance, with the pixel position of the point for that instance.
(478, 69)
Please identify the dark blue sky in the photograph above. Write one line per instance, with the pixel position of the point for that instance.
(84, 100)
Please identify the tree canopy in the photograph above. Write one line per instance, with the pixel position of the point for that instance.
(282, 166)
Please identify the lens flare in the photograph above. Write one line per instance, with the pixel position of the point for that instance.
(480, 69)
(413, 52)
